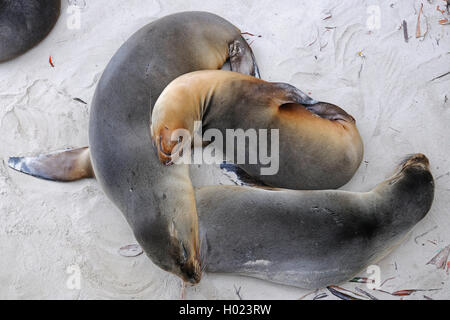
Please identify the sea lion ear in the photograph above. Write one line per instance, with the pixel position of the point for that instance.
(286, 93)
(242, 59)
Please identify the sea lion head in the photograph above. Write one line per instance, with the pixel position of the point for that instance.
(414, 182)
(170, 143)
(416, 174)
(416, 161)
(184, 251)
(173, 246)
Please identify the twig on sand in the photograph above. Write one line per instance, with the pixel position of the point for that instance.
(418, 32)
(425, 233)
(320, 296)
(405, 31)
(305, 295)
(335, 291)
(441, 76)
(440, 260)
(391, 278)
(50, 60)
(79, 100)
(238, 292)
(366, 293)
(410, 291)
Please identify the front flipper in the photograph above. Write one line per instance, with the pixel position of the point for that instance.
(242, 178)
(286, 94)
(66, 165)
(242, 59)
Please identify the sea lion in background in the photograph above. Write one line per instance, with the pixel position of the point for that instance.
(157, 201)
(25, 23)
(319, 144)
(310, 239)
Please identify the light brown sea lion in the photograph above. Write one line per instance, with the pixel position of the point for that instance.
(319, 144)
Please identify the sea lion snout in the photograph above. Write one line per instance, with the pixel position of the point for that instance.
(417, 160)
(165, 145)
(192, 272)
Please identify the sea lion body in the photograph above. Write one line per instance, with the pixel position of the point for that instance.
(157, 201)
(319, 144)
(310, 239)
(25, 23)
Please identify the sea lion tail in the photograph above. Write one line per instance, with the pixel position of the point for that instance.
(63, 165)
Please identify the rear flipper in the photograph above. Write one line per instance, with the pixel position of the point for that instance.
(65, 165)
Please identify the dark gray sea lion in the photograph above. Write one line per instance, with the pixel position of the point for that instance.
(310, 239)
(25, 23)
(157, 201)
(319, 144)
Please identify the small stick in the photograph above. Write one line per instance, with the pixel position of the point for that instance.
(441, 76)
(320, 296)
(51, 62)
(418, 32)
(405, 31)
(410, 291)
(79, 100)
(349, 291)
(304, 296)
(238, 292)
(341, 295)
(426, 232)
(366, 293)
(386, 281)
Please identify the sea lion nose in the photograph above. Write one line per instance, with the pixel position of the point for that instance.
(192, 272)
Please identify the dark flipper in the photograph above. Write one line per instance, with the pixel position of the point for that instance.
(243, 178)
(285, 94)
(242, 59)
(65, 165)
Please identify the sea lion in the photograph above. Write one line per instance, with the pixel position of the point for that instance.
(310, 239)
(25, 23)
(319, 144)
(157, 201)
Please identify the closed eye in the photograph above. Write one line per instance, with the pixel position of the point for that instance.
(185, 253)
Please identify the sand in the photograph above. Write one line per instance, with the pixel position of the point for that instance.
(367, 68)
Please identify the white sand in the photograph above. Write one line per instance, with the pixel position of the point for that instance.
(46, 227)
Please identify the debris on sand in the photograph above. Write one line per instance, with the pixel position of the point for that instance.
(337, 291)
(132, 250)
(371, 297)
(410, 291)
(79, 100)
(362, 280)
(50, 60)
(440, 260)
(405, 31)
(320, 296)
(418, 32)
